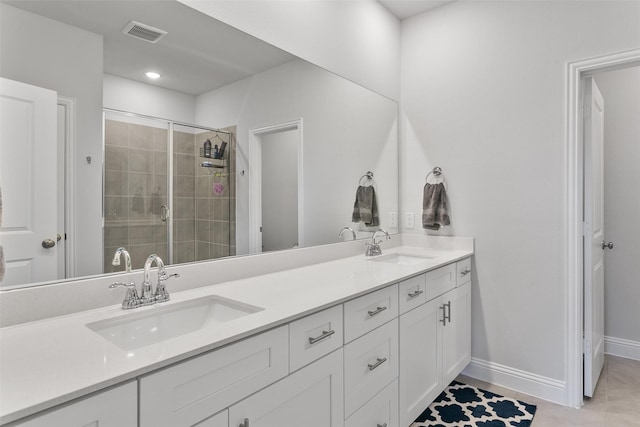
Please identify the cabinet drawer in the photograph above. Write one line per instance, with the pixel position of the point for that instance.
(369, 311)
(312, 337)
(380, 411)
(440, 281)
(191, 391)
(370, 363)
(412, 293)
(463, 268)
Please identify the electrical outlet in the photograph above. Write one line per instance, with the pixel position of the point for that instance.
(410, 220)
(393, 219)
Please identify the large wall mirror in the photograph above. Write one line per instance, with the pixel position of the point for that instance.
(237, 148)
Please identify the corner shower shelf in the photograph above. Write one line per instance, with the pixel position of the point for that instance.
(213, 163)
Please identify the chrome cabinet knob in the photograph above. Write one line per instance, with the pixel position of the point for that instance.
(607, 245)
(48, 243)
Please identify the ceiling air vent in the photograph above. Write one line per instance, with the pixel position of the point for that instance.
(143, 32)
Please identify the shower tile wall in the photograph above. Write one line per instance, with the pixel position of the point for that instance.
(204, 204)
(135, 188)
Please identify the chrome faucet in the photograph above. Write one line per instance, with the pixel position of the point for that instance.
(373, 248)
(161, 294)
(353, 233)
(127, 259)
(147, 296)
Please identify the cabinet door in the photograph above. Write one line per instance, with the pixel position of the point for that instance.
(456, 336)
(117, 407)
(310, 397)
(420, 359)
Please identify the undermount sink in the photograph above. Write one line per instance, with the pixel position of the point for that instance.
(158, 323)
(402, 259)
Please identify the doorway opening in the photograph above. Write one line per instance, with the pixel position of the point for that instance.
(577, 73)
(276, 196)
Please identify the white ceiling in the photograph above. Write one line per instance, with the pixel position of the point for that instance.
(197, 55)
(407, 8)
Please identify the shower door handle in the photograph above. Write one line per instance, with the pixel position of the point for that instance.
(164, 213)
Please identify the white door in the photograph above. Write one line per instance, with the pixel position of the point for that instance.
(593, 236)
(28, 157)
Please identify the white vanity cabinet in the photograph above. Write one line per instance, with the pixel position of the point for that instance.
(310, 397)
(116, 407)
(376, 360)
(435, 341)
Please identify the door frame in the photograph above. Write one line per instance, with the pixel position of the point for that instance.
(574, 149)
(69, 105)
(255, 181)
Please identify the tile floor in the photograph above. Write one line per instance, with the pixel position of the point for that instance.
(616, 401)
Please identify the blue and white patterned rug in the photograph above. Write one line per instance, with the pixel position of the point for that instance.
(462, 405)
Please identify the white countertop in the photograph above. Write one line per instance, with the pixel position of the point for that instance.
(52, 361)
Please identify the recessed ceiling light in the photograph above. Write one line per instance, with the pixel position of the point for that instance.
(152, 75)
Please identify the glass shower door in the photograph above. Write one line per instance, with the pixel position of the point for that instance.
(136, 191)
(201, 195)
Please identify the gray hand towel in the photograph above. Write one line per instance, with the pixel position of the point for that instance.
(365, 208)
(435, 207)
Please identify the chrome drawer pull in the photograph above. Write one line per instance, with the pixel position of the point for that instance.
(416, 293)
(377, 311)
(325, 334)
(381, 425)
(465, 272)
(378, 363)
(448, 317)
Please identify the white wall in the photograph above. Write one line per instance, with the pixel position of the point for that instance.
(147, 99)
(357, 39)
(68, 60)
(339, 146)
(621, 92)
(482, 96)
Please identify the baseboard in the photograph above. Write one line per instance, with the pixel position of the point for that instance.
(515, 379)
(622, 348)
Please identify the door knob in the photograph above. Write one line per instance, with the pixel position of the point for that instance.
(48, 243)
(607, 245)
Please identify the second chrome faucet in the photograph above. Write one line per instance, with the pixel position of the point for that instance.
(147, 295)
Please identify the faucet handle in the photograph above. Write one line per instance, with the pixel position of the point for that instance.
(162, 294)
(131, 300)
(162, 276)
(130, 285)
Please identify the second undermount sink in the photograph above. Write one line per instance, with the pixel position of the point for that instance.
(161, 322)
(402, 259)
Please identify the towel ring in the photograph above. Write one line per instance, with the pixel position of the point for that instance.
(368, 176)
(437, 172)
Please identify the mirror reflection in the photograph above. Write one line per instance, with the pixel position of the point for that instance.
(236, 148)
